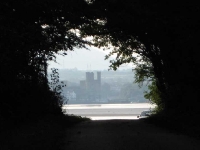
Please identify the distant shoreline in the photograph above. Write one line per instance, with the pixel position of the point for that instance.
(108, 106)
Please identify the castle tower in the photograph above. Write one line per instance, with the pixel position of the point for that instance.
(98, 85)
(99, 76)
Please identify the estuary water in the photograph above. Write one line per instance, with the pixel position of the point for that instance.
(107, 111)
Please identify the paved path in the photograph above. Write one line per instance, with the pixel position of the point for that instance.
(125, 135)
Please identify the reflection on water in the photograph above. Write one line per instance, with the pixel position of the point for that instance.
(113, 117)
(108, 111)
(88, 106)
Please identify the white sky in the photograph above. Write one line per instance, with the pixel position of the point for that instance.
(83, 59)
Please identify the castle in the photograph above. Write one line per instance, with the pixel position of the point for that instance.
(91, 87)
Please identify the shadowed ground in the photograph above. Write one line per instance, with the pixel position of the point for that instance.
(125, 135)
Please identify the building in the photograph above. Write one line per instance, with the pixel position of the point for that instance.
(91, 87)
(70, 95)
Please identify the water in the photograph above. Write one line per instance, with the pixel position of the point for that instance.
(108, 111)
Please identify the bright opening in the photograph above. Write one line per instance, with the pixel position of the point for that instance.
(90, 90)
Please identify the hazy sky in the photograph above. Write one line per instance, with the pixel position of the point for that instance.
(83, 59)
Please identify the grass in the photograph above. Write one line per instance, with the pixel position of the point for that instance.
(47, 132)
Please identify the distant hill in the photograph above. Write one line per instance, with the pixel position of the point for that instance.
(82, 59)
(75, 75)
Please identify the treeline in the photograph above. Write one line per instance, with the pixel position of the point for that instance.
(32, 32)
(160, 37)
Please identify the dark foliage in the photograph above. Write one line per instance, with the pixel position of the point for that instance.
(166, 33)
(32, 32)
(161, 32)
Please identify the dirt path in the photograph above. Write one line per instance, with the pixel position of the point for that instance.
(125, 135)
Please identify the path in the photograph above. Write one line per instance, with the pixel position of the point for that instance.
(125, 135)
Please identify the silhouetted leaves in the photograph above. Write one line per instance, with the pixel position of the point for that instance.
(161, 35)
(32, 32)
(166, 33)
